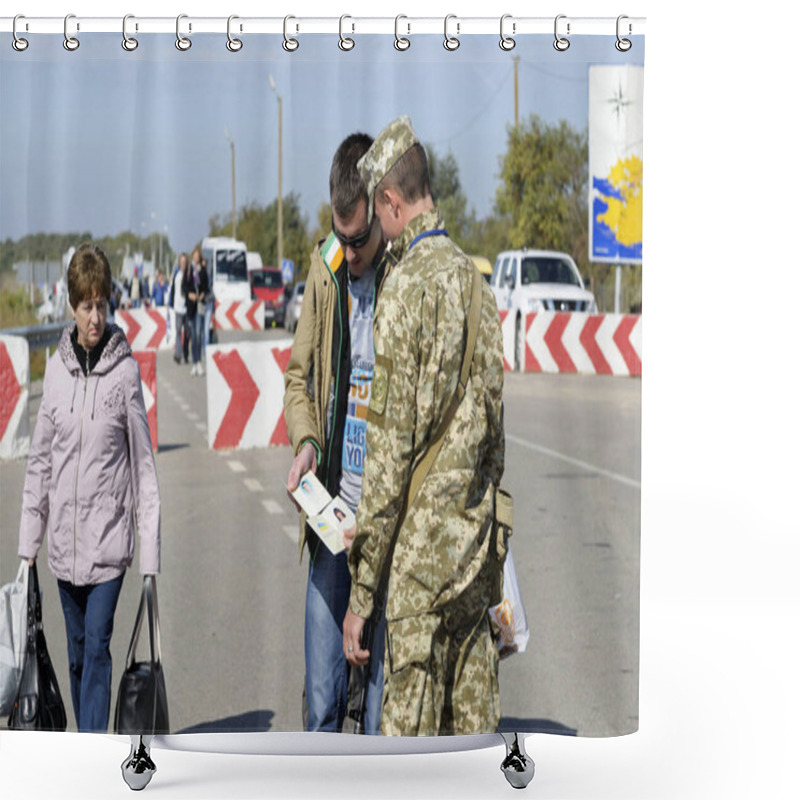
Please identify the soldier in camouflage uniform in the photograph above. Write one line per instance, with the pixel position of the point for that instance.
(441, 666)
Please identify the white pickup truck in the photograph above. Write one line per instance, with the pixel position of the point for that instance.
(527, 281)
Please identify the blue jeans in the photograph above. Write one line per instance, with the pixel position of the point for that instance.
(327, 671)
(209, 313)
(89, 617)
(196, 323)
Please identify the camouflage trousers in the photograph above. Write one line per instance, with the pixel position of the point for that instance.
(439, 680)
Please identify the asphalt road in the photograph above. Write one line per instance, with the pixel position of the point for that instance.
(231, 593)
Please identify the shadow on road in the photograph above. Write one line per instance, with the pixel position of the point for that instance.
(249, 722)
(165, 448)
(517, 725)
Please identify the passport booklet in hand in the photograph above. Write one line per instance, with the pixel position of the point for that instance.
(328, 517)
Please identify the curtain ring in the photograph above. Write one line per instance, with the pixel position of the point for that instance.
(561, 43)
(183, 43)
(70, 42)
(19, 44)
(289, 44)
(451, 42)
(128, 42)
(507, 42)
(345, 42)
(400, 42)
(623, 45)
(233, 44)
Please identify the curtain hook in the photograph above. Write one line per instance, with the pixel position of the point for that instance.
(451, 42)
(70, 42)
(183, 43)
(561, 43)
(400, 42)
(507, 42)
(289, 44)
(233, 44)
(128, 42)
(19, 44)
(345, 42)
(623, 45)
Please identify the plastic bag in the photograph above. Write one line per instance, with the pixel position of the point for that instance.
(13, 635)
(509, 615)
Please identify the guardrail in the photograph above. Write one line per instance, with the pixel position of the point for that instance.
(38, 336)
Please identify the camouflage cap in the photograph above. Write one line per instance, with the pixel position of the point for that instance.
(389, 145)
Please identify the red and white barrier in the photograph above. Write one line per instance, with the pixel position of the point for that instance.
(147, 328)
(244, 382)
(587, 344)
(238, 316)
(147, 369)
(15, 438)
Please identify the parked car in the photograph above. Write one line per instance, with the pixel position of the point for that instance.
(294, 306)
(528, 281)
(266, 284)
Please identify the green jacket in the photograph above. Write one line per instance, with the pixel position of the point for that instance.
(443, 545)
(320, 364)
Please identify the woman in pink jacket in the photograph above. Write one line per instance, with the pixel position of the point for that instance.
(91, 477)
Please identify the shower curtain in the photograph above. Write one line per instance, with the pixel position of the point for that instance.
(148, 151)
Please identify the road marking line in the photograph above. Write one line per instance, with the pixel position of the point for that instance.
(574, 461)
(292, 532)
(185, 407)
(272, 506)
(192, 416)
(237, 466)
(253, 485)
(201, 426)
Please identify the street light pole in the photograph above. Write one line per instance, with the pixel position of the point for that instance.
(233, 178)
(280, 172)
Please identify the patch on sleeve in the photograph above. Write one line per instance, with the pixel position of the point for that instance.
(380, 386)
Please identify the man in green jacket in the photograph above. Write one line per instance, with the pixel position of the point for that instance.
(439, 554)
(328, 383)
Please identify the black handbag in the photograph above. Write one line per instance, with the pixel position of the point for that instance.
(38, 705)
(142, 697)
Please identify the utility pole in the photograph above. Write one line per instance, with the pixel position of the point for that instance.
(233, 177)
(516, 91)
(280, 172)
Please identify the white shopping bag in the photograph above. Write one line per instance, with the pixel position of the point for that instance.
(13, 633)
(509, 614)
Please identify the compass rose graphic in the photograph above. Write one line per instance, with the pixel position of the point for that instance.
(619, 102)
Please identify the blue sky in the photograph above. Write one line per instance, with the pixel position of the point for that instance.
(102, 140)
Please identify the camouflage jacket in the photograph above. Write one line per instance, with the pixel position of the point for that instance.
(420, 337)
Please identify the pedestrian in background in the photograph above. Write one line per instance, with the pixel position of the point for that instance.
(160, 288)
(195, 289)
(178, 302)
(442, 572)
(208, 314)
(91, 481)
(328, 381)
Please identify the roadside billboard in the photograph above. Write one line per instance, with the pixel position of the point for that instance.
(615, 164)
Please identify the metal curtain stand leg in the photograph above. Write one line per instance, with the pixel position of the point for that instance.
(518, 766)
(138, 768)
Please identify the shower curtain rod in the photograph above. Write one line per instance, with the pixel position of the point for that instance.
(450, 26)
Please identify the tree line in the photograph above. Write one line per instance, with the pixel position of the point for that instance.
(541, 202)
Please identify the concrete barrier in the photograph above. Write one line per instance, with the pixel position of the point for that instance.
(578, 343)
(236, 316)
(244, 382)
(147, 328)
(147, 369)
(15, 438)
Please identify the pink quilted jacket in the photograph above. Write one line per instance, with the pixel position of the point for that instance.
(91, 472)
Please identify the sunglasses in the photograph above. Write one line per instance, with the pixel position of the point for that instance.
(356, 242)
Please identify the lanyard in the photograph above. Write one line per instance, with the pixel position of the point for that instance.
(435, 232)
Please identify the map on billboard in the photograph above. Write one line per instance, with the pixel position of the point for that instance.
(615, 164)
